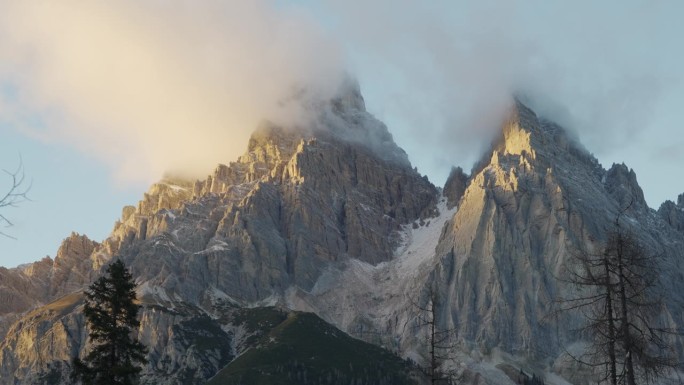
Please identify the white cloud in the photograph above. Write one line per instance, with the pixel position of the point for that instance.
(440, 72)
(156, 86)
(150, 86)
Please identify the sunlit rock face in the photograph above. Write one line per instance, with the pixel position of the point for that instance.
(298, 201)
(332, 218)
(75, 265)
(51, 333)
(518, 219)
(540, 198)
(520, 130)
(283, 214)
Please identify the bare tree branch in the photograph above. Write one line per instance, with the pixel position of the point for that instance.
(439, 341)
(616, 293)
(15, 194)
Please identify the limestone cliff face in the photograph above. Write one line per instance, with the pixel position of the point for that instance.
(293, 203)
(539, 198)
(497, 264)
(75, 265)
(148, 217)
(622, 185)
(186, 345)
(297, 202)
(333, 219)
(455, 186)
(51, 334)
(673, 214)
(18, 293)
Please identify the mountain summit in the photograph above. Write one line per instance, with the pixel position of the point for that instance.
(332, 219)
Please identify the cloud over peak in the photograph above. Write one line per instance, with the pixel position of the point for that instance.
(151, 86)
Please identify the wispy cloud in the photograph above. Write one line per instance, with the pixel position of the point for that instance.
(156, 86)
(441, 72)
(151, 86)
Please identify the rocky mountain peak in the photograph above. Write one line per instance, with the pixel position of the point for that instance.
(349, 96)
(345, 118)
(270, 148)
(455, 186)
(75, 246)
(74, 265)
(269, 134)
(527, 141)
(673, 213)
(622, 184)
(534, 200)
(518, 140)
(519, 131)
(333, 219)
(296, 199)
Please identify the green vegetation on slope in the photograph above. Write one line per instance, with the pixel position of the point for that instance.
(303, 349)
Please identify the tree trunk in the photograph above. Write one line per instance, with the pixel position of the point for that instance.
(611, 323)
(433, 354)
(625, 337)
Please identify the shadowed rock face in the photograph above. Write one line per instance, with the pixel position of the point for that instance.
(622, 185)
(673, 214)
(455, 186)
(333, 219)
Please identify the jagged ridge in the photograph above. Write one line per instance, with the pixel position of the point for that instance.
(296, 202)
(314, 220)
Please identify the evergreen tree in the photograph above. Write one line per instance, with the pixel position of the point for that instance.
(111, 313)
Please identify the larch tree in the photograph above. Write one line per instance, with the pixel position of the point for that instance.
(618, 297)
(439, 341)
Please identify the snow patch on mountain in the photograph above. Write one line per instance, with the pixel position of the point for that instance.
(418, 245)
(417, 248)
(357, 297)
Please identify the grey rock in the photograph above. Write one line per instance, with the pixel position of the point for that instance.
(333, 219)
(621, 183)
(297, 202)
(539, 199)
(455, 186)
(76, 263)
(673, 214)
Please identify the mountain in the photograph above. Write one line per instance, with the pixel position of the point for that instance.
(332, 220)
(75, 265)
(296, 202)
(535, 200)
(540, 199)
(300, 348)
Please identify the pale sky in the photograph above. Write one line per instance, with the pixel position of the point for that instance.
(101, 98)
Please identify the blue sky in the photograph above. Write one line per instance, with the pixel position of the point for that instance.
(101, 100)
(69, 192)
